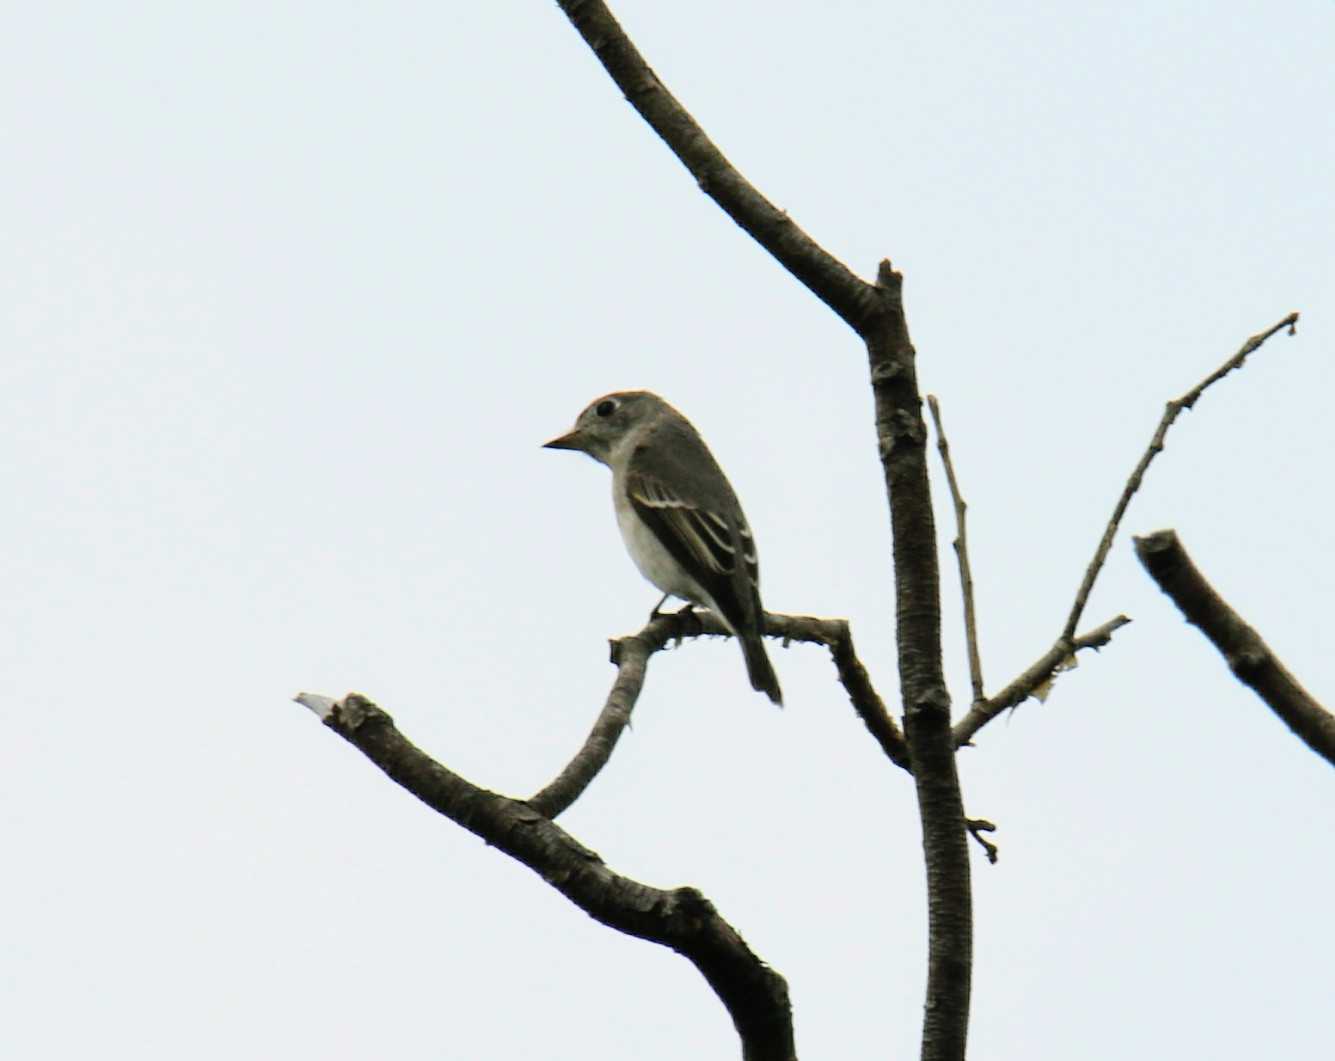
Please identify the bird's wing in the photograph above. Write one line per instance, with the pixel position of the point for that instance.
(705, 534)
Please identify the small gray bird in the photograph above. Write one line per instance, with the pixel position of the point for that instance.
(682, 524)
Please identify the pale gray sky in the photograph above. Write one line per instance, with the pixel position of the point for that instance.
(294, 293)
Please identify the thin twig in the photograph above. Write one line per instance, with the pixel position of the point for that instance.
(631, 657)
(978, 826)
(1171, 413)
(1038, 675)
(836, 636)
(1249, 657)
(961, 545)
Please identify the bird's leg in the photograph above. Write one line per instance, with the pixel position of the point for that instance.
(654, 612)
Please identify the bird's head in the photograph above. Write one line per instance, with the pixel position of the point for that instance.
(609, 421)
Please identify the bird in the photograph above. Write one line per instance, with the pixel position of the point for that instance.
(679, 517)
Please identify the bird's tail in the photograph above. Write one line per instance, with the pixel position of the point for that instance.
(763, 678)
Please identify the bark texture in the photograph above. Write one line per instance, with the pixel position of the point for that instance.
(901, 436)
(1247, 655)
(755, 996)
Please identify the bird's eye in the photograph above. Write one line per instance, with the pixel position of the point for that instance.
(606, 407)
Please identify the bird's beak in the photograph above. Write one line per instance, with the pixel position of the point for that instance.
(570, 440)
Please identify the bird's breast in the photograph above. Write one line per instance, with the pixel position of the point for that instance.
(652, 558)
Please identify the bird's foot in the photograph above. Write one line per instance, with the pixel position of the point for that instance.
(687, 613)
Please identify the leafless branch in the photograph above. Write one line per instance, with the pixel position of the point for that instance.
(1171, 413)
(901, 437)
(1249, 657)
(961, 544)
(1037, 676)
(978, 826)
(852, 298)
(631, 657)
(835, 635)
(682, 919)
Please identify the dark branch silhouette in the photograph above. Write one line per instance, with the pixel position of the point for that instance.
(961, 545)
(1037, 679)
(901, 438)
(631, 656)
(1171, 413)
(835, 635)
(853, 299)
(978, 826)
(755, 995)
(681, 918)
(1249, 657)
(1034, 679)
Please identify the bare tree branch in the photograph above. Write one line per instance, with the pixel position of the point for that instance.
(835, 635)
(902, 442)
(631, 657)
(961, 544)
(1171, 413)
(852, 298)
(1040, 674)
(755, 995)
(1036, 676)
(1249, 657)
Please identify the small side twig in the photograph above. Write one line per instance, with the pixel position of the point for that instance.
(836, 636)
(1035, 677)
(1248, 656)
(978, 826)
(631, 657)
(1171, 413)
(961, 545)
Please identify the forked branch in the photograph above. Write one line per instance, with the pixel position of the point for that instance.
(682, 919)
(1171, 413)
(1034, 679)
(631, 657)
(1039, 676)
